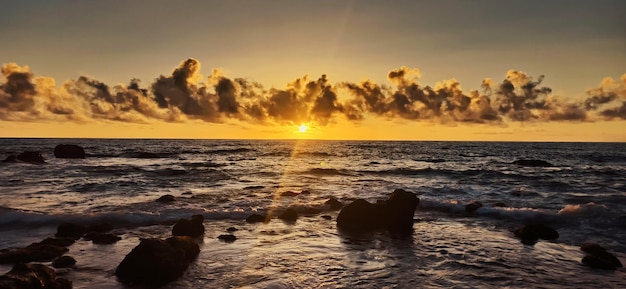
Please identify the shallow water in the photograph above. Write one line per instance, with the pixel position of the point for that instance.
(583, 195)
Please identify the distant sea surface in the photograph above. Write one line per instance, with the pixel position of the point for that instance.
(582, 194)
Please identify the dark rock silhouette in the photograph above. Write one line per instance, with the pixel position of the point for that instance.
(532, 163)
(33, 276)
(394, 214)
(155, 262)
(63, 262)
(44, 251)
(70, 230)
(31, 157)
(69, 151)
(166, 199)
(531, 233)
(289, 215)
(473, 206)
(333, 203)
(228, 238)
(11, 159)
(289, 194)
(599, 257)
(192, 227)
(256, 218)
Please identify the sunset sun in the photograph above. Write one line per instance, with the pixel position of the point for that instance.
(302, 128)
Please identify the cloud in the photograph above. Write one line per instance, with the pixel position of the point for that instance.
(185, 94)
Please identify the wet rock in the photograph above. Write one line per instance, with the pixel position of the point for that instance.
(532, 163)
(70, 230)
(256, 218)
(288, 194)
(102, 239)
(166, 199)
(69, 151)
(529, 234)
(394, 214)
(100, 227)
(232, 229)
(60, 242)
(35, 252)
(333, 203)
(473, 206)
(192, 227)
(599, 257)
(228, 238)
(289, 215)
(499, 205)
(155, 262)
(63, 262)
(31, 157)
(327, 217)
(33, 276)
(11, 159)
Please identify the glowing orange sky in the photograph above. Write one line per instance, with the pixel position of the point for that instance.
(575, 46)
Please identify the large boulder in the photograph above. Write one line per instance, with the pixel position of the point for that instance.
(192, 227)
(31, 157)
(598, 257)
(69, 151)
(155, 262)
(395, 214)
(27, 276)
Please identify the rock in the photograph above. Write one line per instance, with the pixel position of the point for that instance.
(166, 199)
(155, 262)
(532, 163)
(228, 238)
(11, 159)
(289, 215)
(36, 252)
(102, 239)
(33, 276)
(359, 216)
(288, 194)
(100, 227)
(189, 227)
(395, 214)
(333, 203)
(327, 217)
(531, 233)
(60, 242)
(473, 206)
(256, 218)
(70, 230)
(598, 257)
(31, 157)
(305, 192)
(232, 229)
(69, 151)
(499, 205)
(63, 262)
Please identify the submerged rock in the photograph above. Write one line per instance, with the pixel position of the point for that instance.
(256, 218)
(289, 215)
(102, 239)
(395, 214)
(155, 262)
(598, 257)
(69, 151)
(26, 276)
(31, 157)
(473, 206)
(11, 159)
(63, 262)
(531, 233)
(71, 230)
(192, 227)
(166, 199)
(532, 163)
(333, 203)
(228, 238)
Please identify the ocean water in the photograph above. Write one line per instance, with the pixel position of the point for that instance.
(583, 196)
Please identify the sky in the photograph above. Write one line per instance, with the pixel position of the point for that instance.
(356, 69)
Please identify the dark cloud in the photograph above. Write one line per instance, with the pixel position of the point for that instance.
(186, 94)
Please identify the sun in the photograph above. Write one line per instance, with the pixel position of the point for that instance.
(303, 128)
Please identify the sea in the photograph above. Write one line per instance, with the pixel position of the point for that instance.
(582, 195)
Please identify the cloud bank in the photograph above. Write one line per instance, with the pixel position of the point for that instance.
(186, 95)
